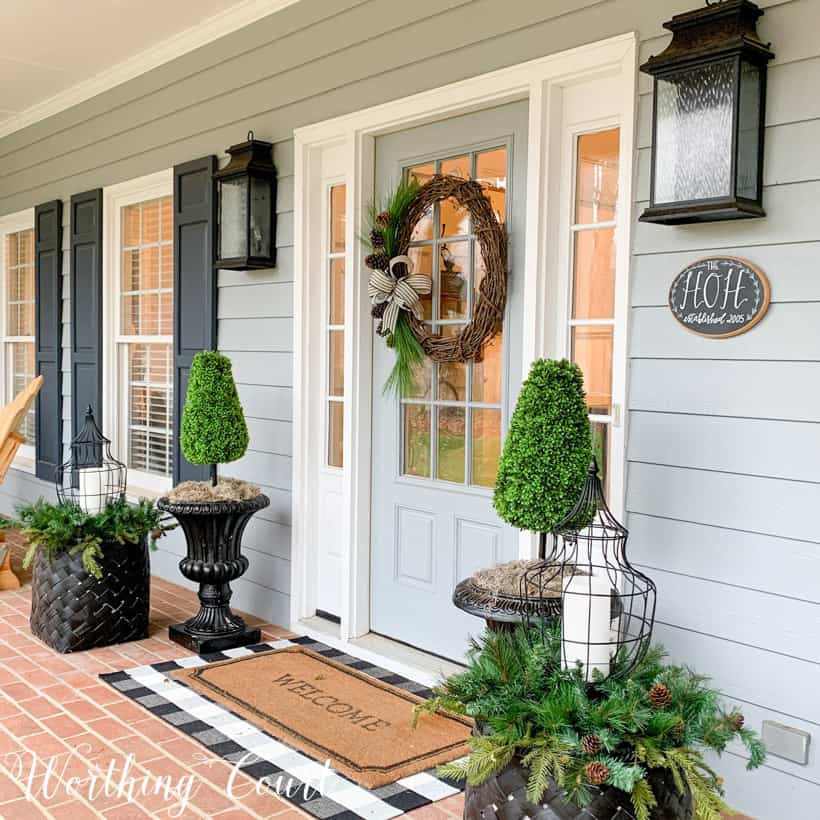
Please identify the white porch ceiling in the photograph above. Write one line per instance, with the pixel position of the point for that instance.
(54, 53)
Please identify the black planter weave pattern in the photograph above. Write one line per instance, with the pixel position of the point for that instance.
(504, 797)
(71, 610)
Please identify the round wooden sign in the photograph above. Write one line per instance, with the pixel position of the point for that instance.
(719, 296)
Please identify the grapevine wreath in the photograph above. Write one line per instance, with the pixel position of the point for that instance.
(395, 290)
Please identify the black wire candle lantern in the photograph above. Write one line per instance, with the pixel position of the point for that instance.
(607, 607)
(91, 478)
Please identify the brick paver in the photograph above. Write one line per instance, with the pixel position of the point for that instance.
(54, 709)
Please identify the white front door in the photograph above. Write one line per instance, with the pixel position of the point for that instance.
(435, 454)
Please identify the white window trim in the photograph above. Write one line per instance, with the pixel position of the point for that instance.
(24, 460)
(115, 197)
(540, 82)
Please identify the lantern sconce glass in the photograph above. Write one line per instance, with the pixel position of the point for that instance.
(246, 207)
(708, 116)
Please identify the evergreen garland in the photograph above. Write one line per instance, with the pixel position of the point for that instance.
(529, 709)
(57, 528)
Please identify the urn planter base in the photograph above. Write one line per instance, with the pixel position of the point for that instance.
(213, 532)
(207, 644)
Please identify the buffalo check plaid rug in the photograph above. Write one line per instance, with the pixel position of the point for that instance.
(260, 755)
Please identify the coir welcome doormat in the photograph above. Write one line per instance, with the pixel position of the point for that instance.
(251, 746)
(331, 711)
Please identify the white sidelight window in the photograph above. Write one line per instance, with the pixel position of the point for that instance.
(592, 282)
(335, 333)
(17, 324)
(139, 286)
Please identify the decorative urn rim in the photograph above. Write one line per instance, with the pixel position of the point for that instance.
(246, 505)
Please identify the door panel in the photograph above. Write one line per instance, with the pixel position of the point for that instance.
(435, 453)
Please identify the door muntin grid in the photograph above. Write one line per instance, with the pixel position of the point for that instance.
(451, 427)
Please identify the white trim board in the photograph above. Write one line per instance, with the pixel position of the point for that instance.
(540, 82)
(212, 28)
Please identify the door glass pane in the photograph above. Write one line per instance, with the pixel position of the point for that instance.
(335, 433)
(486, 446)
(454, 267)
(422, 173)
(337, 291)
(452, 376)
(450, 443)
(422, 256)
(423, 380)
(593, 288)
(592, 352)
(417, 440)
(337, 218)
(596, 186)
(600, 447)
(336, 375)
(491, 172)
(456, 167)
(488, 374)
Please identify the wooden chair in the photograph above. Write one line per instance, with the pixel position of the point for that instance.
(11, 419)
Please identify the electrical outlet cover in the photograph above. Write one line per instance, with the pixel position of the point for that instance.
(786, 741)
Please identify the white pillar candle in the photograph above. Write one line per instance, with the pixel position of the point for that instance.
(92, 490)
(585, 623)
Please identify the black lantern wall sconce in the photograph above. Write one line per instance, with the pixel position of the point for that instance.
(246, 207)
(708, 116)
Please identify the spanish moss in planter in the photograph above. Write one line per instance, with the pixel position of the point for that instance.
(213, 514)
(91, 571)
(549, 746)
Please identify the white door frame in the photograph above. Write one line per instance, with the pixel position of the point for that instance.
(538, 81)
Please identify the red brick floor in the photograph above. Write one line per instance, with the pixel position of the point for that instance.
(54, 709)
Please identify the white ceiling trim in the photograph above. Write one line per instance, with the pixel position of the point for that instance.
(207, 31)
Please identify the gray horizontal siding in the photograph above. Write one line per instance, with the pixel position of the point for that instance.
(720, 523)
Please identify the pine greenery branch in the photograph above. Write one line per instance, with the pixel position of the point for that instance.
(409, 357)
(57, 528)
(531, 710)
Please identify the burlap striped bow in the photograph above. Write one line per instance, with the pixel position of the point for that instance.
(400, 294)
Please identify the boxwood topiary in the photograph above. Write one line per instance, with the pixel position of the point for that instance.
(213, 429)
(548, 448)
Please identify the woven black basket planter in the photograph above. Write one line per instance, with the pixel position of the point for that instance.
(72, 610)
(504, 797)
(213, 532)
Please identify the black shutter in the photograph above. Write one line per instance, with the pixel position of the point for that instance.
(48, 223)
(86, 307)
(194, 287)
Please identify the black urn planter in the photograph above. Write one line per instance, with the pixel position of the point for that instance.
(504, 797)
(213, 531)
(72, 610)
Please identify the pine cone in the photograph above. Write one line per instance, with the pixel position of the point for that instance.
(383, 218)
(377, 261)
(377, 311)
(376, 238)
(591, 744)
(596, 773)
(660, 697)
(736, 720)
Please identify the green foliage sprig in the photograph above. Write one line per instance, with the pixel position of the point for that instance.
(57, 528)
(213, 429)
(530, 709)
(547, 450)
(382, 237)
